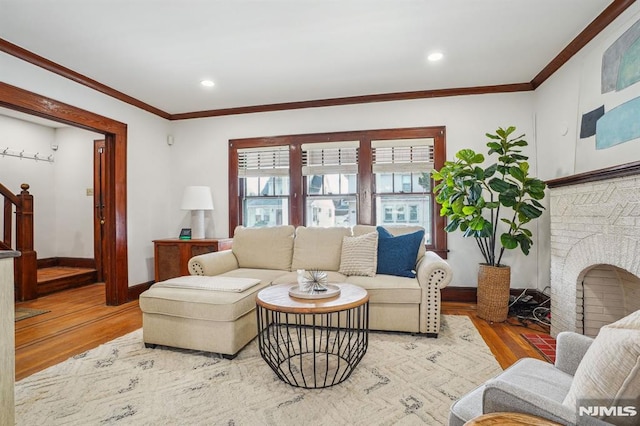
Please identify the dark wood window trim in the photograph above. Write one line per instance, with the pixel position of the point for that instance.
(365, 175)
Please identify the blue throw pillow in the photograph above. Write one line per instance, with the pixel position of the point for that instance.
(397, 255)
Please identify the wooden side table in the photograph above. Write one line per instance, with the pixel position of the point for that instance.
(172, 255)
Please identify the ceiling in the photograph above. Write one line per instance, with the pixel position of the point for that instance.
(261, 52)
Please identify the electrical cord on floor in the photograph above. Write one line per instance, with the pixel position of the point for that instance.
(530, 313)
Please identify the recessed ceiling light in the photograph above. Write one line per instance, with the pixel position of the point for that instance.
(435, 56)
(207, 83)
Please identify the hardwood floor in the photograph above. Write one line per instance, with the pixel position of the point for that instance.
(79, 320)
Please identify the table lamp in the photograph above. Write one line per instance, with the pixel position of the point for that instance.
(197, 199)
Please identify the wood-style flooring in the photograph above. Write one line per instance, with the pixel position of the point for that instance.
(79, 320)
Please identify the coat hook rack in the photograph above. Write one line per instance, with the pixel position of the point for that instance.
(22, 154)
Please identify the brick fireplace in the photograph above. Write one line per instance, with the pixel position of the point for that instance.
(595, 248)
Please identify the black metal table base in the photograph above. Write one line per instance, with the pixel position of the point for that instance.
(313, 350)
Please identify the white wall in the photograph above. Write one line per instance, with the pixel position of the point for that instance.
(149, 159)
(18, 135)
(467, 119)
(63, 214)
(557, 108)
(560, 151)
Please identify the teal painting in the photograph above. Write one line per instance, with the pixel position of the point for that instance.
(619, 125)
(629, 72)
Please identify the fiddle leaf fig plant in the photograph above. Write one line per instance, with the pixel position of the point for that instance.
(476, 199)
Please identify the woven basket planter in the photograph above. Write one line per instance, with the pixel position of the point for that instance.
(494, 283)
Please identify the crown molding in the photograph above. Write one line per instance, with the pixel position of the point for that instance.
(55, 68)
(607, 16)
(350, 100)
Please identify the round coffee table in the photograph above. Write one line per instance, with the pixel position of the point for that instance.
(313, 343)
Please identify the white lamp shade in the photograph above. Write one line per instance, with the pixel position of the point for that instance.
(197, 198)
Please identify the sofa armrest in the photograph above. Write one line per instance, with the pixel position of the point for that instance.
(433, 274)
(433, 271)
(570, 349)
(504, 396)
(214, 263)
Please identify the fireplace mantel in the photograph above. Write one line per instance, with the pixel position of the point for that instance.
(594, 242)
(621, 170)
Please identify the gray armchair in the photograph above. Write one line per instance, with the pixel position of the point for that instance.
(530, 386)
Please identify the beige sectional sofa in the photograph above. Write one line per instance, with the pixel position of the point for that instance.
(224, 322)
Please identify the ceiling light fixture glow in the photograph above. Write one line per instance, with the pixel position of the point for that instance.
(207, 83)
(435, 56)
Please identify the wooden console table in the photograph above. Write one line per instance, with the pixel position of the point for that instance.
(172, 255)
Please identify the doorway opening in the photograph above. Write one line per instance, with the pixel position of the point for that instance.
(113, 212)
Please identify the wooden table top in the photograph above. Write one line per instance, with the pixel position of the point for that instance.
(509, 419)
(277, 298)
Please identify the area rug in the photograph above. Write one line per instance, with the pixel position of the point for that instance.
(543, 343)
(403, 379)
(24, 313)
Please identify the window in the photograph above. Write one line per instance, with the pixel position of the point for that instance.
(264, 173)
(330, 171)
(401, 169)
(338, 179)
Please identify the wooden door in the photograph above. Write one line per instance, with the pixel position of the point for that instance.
(99, 197)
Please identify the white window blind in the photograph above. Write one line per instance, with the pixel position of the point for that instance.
(257, 162)
(402, 155)
(330, 158)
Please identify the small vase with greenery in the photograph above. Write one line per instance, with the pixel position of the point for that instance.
(477, 199)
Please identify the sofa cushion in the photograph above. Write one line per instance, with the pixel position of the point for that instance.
(200, 304)
(292, 278)
(397, 254)
(264, 248)
(318, 248)
(609, 373)
(359, 255)
(394, 230)
(389, 289)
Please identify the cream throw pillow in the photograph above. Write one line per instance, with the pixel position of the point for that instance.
(609, 373)
(360, 255)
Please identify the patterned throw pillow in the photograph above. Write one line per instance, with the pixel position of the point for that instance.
(359, 255)
(609, 373)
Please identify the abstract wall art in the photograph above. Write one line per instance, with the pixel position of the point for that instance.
(609, 116)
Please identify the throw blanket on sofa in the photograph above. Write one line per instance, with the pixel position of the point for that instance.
(199, 282)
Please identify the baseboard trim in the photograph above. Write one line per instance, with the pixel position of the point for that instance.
(72, 262)
(136, 290)
(469, 294)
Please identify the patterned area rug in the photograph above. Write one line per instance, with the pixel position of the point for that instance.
(24, 313)
(403, 379)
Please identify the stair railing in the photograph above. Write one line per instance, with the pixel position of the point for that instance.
(25, 266)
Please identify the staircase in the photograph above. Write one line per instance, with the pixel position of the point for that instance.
(60, 274)
(51, 280)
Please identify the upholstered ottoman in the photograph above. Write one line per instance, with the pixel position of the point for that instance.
(213, 314)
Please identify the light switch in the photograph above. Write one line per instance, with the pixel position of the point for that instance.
(89, 192)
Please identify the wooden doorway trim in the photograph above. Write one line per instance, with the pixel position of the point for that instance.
(116, 267)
